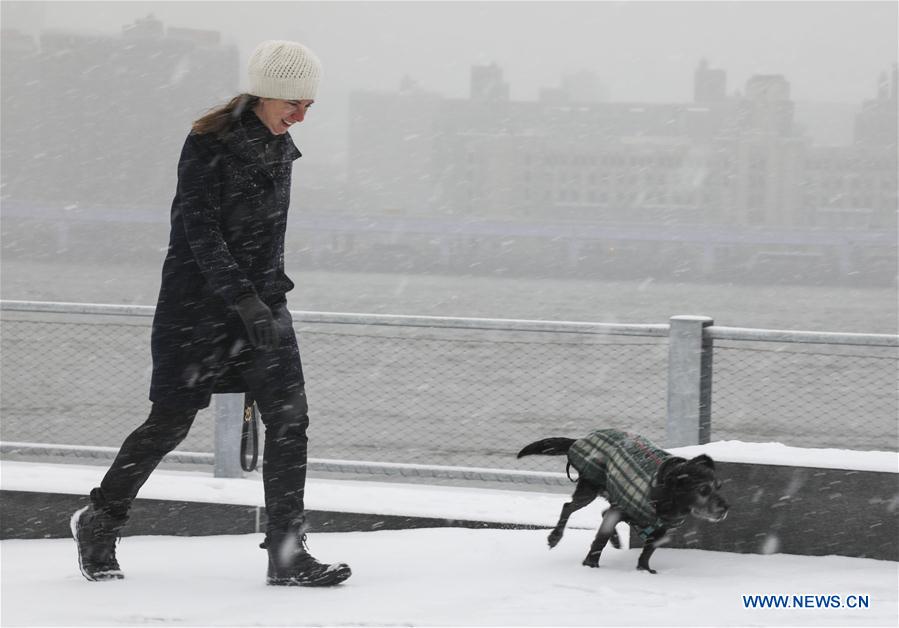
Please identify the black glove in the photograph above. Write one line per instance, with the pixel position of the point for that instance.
(260, 324)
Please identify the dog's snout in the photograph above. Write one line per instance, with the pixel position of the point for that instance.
(721, 507)
(713, 508)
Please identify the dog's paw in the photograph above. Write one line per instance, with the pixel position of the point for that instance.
(553, 539)
(646, 568)
(591, 561)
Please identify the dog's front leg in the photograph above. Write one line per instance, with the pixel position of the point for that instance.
(584, 493)
(610, 519)
(614, 539)
(648, 548)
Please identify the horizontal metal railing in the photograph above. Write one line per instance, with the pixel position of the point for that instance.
(388, 320)
(689, 365)
(716, 332)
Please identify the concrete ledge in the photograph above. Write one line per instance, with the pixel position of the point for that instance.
(774, 508)
(29, 515)
(801, 510)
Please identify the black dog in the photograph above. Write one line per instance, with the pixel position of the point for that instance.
(646, 487)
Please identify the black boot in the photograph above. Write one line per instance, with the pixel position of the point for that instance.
(290, 563)
(95, 535)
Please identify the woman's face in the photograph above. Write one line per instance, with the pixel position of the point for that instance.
(278, 115)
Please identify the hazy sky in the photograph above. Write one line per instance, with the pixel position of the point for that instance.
(643, 51)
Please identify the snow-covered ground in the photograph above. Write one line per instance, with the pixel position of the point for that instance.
(446, 577)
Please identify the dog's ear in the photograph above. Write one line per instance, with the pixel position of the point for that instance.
(703, 460)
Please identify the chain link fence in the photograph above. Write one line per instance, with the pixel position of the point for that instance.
(473, 398)
(810, 395)
(453, 396)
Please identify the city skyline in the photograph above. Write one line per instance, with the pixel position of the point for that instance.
(176, 72)
(726, 153)
(640, 51)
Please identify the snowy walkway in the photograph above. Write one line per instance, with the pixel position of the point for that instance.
(447, 577)
(444, 576)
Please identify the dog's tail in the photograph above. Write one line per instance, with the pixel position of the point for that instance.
(547, 447)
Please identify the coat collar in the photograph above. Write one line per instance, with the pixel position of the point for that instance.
(237, 140)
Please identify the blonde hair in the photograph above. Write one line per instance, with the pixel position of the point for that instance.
(220, 119)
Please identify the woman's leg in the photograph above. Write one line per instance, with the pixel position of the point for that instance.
(139, 455)
(95, 528)
(275, 379)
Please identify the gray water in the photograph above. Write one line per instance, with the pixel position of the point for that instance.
(808, 307)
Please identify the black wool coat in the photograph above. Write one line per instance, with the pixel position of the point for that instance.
(228, 221)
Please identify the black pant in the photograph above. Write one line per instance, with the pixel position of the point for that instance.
(275, 378)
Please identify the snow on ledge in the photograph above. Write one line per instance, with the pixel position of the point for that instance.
(783, 455)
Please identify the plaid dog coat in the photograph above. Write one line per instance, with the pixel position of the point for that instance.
(625, 466)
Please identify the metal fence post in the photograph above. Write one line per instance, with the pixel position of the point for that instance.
(228, 409)
(689, 419)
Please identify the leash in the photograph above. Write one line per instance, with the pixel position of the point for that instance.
(249, 434)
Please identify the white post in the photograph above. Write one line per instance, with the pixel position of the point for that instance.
(228, 410)
(689, 382)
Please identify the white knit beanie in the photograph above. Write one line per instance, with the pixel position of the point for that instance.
(285, 70)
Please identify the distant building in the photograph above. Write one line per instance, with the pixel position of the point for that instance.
(766, 106)
(390, 164)
(487, 84)
(875, 125)
(622, 162)
(856, 187)
(709, 85)
(766, 156)
(19, 100)
(719, 160)
(103, 101)
(196, 36)
(850, 188)
(584, 87)
(578, 88)
(144, 28)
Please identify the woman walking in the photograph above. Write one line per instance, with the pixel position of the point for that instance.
(221, 322)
